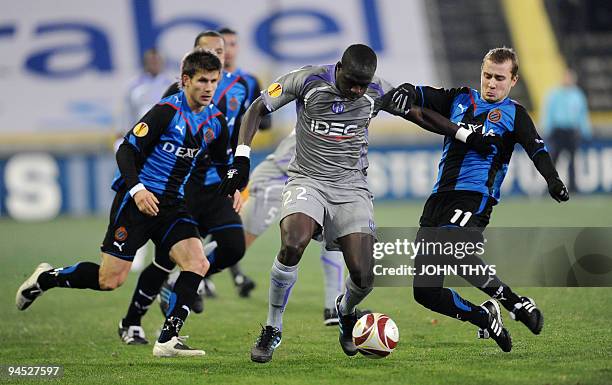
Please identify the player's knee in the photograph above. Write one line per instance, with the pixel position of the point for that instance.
(290, 253)
(196, 265)
(110, 282)
(199, 265)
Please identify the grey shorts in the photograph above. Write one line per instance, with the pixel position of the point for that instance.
(262, 209)
(339, 210)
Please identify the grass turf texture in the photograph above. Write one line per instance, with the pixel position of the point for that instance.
(77, 328)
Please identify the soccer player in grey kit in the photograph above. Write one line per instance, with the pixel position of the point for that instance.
(327, 187)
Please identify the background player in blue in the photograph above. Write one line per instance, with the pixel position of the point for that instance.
(232, 47)
(214, 214)
(468, 186)
(155, 161)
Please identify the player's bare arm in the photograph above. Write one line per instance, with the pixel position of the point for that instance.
(251, 121)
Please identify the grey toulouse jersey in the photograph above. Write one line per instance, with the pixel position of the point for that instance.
(331, 130)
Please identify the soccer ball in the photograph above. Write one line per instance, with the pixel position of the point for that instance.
(375, 335)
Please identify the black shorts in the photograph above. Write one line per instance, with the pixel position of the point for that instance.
(212, 211)
(450, 216)
(129, 229)
(457, 209)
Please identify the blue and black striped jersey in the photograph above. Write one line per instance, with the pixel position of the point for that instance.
(230, 99)
(460, 167)
(169, 139)
(253, 87)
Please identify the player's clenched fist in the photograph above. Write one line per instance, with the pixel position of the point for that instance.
(146, 202)
(237, 177)
(557, 189)
(399, 100)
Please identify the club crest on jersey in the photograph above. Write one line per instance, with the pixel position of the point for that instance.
(233, 103)
(121, 234)
(275, 90)
(337, 107)
(494, 116)
(141, 129)
(209, 136)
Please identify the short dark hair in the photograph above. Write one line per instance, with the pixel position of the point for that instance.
(501, 55)
(199, 60)
(359, 58)
(210, 33)
(227, 31)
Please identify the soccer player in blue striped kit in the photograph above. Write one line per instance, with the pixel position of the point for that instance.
(468, 186)
(155, 161)
(214, 214)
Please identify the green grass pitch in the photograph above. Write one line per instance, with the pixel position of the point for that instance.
(77, 328)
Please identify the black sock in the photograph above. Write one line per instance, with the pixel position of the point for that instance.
(491, 284)
(147, 288)
(464, 310)
(448, 302)
(83, 275)
(181, 300)
(504, 295)
(236, 270)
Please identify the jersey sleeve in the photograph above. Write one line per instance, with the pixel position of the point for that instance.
(285, 89)
(145, 134)
(526, 134)
(219, 149)
(438, 99)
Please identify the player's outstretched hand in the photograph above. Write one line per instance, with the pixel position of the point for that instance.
(146, 202)
(557, 189)
(484, 144)
(236, 177)
(399, 100)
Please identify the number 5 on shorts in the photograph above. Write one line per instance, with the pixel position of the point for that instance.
(300, 195)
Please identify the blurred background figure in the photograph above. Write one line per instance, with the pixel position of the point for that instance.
(143, 93)
(231, 64)
(565, 121)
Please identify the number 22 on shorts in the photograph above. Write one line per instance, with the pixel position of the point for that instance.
(300, 195)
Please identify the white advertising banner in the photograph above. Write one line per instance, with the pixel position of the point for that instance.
(66, 63)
